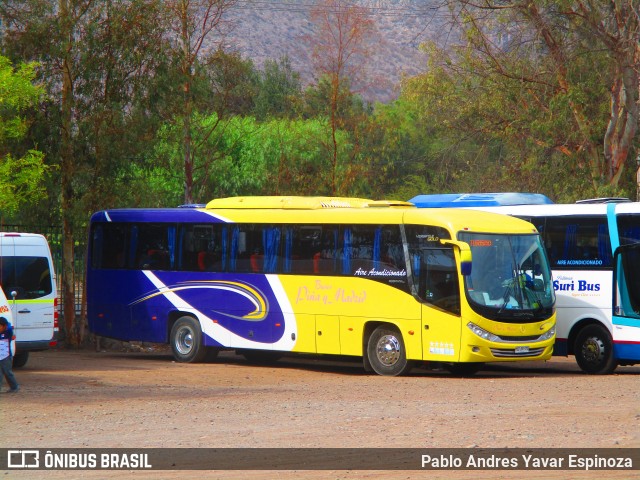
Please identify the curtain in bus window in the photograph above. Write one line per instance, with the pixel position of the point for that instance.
(171, 238)
(181, 249)
(270, 245)
(377, 240)
(346, 252)
(288, 245)
(224, 248)
(234, 248)
(334, 249)
(570, 241)
(604, 245)
(417, 260)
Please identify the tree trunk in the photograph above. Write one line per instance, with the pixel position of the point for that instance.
(67, 173)
(623, 122)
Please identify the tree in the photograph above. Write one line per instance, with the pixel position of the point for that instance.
(192, 23)
(481, 131)
(21, 170)
(228, 154)
(229, 84)
(576, 59)
(295, 155)
(276, 157)
(96, 58)
(342, 31)
(279, 89)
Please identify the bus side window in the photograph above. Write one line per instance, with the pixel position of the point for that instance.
(154, 246)
(578, 242)
(206, 261)
(629, 228)
(627, 297)
(302, 244)
(255, 248)
(441, 279)
(108, 244)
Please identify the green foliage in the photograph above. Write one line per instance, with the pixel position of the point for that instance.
(240, 156)
(498, 122)
(318, 98)
(21, 171)
(471, 122)
(21, 181)
(223, 163)
(279, 90)
(297, 154)
(226, 84)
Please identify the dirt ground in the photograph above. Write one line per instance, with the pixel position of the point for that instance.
(113, 399)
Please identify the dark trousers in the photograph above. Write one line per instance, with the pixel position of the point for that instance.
(6, 365)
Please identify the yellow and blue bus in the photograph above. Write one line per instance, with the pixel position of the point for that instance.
(594, 250)
(265, 276)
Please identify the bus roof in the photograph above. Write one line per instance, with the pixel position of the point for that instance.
(452, 219)
(605, 200)
(456, 200)
(565, 209)
(299, 203)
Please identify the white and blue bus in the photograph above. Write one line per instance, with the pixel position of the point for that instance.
(594, 251)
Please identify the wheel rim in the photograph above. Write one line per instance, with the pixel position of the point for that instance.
(184, 341)
(388, 350)
(593, 350)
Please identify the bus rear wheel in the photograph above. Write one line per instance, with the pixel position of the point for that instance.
(186, 341)
(593, 349)
(386, 352)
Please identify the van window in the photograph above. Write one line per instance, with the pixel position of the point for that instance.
(30, 277)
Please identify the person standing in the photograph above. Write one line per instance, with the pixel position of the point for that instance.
(6, 355)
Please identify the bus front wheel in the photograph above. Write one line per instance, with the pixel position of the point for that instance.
(186, 341)
(386, 352)
(594, 350)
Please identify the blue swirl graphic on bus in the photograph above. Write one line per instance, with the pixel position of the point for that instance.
(255, 301)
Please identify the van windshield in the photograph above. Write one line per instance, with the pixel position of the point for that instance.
(29, 277)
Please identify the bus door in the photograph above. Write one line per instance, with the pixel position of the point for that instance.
(626, 305)
(436, 275)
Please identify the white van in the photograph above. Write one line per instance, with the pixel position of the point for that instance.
(28, 281)
(5, 311)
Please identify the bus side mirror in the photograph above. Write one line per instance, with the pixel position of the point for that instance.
(465, 255)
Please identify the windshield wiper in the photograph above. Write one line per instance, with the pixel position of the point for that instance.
(506, 296)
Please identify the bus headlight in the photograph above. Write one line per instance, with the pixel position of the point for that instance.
(548, 334)
(482, 333)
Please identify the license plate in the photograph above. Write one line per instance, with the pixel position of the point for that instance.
(522, 349)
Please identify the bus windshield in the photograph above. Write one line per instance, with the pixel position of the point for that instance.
(510, 274)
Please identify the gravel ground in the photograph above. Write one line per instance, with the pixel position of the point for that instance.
(72, 398)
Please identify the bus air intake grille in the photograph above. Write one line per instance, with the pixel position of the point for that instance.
(531, 338)
(511, 353)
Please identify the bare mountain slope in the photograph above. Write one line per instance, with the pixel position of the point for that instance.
(271, 29)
